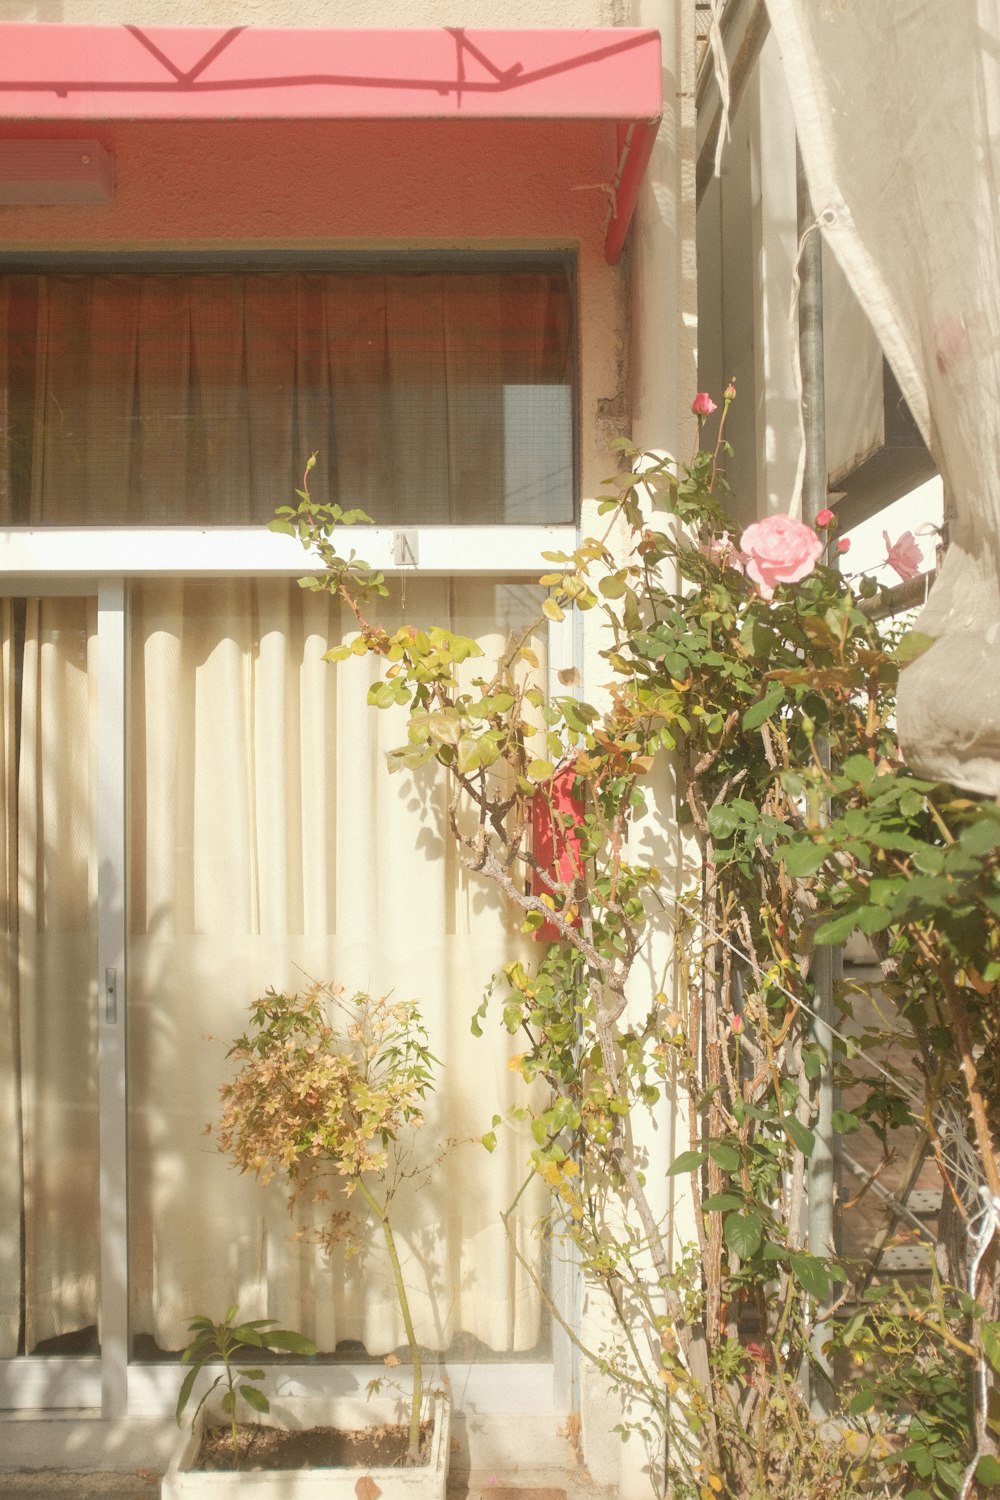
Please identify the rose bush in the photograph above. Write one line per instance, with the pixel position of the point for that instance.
(775, 709)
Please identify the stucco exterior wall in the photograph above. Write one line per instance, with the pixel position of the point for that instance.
(394, 13)
(368, 185)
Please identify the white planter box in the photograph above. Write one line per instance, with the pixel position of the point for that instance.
(428, 1482)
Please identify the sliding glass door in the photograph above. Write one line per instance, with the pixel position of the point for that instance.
(264, 846)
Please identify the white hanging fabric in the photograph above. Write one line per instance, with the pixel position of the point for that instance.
(897, 108)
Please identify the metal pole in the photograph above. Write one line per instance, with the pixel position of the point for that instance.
(821, 1182)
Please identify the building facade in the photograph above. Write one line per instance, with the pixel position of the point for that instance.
(455, 263)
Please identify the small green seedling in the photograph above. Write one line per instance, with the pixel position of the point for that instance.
(222, 1343)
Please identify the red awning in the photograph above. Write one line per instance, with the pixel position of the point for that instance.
(81, 74)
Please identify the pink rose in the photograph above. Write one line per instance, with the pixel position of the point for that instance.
(903, 555)
(779, 549)
(844, 544)
(723, 551)
(703, 405)
(824, 517)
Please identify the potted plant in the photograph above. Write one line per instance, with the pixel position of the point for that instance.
(325, 1082)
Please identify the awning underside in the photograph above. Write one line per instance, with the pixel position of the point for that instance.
(83, 74)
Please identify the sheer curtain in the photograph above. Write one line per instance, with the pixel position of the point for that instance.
(897, 108)
(268, 845)
(49, 1229)
(169, 398)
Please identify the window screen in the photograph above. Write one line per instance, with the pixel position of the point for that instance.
(157, 398)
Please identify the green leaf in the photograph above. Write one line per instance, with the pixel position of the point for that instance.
(382, 694)
(743, 1234)
(982, 836)
(287, 1338)
(185, 1391)
(838, 929)
(988, 1470)
(723, 821)
(688, 1161)
(844, 1123)
(720, 1203)
(810, 1274)
(468, 757)
(803, 1137)
(911, 645)
(874, 919)
(859, 769)
(726, 1157)
(989, 1334)
(255, 1398)
(759, 712)
(489, 1140)
(804, 858)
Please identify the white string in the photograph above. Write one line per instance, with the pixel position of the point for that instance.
(851, 1042)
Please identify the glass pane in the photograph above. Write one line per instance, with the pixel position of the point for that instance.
(49, 1233)
(432, 396)
(268, 846)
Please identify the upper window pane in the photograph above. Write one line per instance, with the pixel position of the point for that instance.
(432, 396)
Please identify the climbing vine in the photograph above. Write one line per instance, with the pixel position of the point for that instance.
(745, 678)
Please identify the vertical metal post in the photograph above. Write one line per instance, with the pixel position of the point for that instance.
(111, 969)
(821, 1183)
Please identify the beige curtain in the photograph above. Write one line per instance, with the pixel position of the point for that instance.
(49, 1228)
(157, 399)
(269, 844)
(897, 107)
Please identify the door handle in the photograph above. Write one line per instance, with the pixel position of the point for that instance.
(111, 996)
